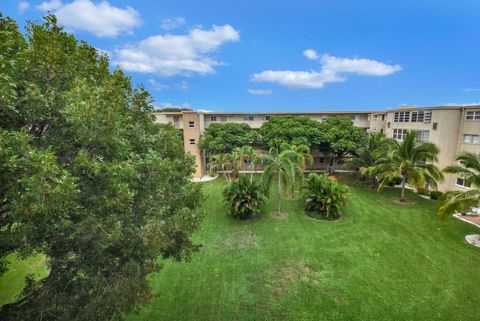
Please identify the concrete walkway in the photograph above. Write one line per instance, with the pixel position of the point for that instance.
(204, 178)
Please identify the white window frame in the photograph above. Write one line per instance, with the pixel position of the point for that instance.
(213, 118)
(471, 139)
(192, 141)
(191, 124)
(461, 182)
(422, 135)
(223, 119)
(399, 133)
(401, 117)
(248, 118)
(472, 115)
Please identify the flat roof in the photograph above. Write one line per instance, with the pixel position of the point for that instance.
(401, 108)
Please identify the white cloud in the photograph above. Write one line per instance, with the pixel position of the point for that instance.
(100, 19)
(169, 55)
(169, 24)
(463, 104)
(50, 5)
(23, 6)
(260, 92)
(333, 69)
(470, 90)
(311, 54)
(183, 85)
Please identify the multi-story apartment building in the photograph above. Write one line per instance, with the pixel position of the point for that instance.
(454, 129)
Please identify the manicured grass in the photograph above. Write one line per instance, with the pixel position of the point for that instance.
(381, 261)
(13, 281)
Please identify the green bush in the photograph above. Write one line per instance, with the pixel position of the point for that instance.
(435, 195)
(324, 196)
(394, 181)
(244, 197)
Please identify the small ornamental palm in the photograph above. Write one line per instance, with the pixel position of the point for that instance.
(324, 196)
(367, 155)
(462, 201)
(409, 160)
(283, 165)
(244, 197)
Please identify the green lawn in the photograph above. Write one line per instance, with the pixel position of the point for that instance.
(381, 261)
(12, 282)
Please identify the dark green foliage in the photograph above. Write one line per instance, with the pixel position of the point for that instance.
(397, 180)
(435, 195)
(224, 138)
(324, 196)
(294, 130)
(342, 137)
(86, 178)
(244, 197)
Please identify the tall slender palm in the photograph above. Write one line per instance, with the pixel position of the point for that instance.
(376, 144)
(410, 160)
(462, 201)
(302, 157)
(282, 166)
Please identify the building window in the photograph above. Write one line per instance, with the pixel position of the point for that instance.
(176, 119)
(401, 117)
(192, 141)
(418, 116)
(375, 117)
(399, 134)
(321, 160)
(422, 135)
(381, 130)
(223, 119)
(191, 124)
(383, 117)
(388, 125)
(248, 117)
(267, 117)
(213, 118)
(462, 182)
(471, 139)
(435, 125)
(352, 118)
(324, 117)
(473, 115)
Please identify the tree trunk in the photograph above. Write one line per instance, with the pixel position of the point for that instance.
(402, 197)
(278, 194)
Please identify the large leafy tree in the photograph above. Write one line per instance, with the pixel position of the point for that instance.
(410, 160)
(224, 138)
(86, 178)
(295, 130)
(342, 138)
(462, 201)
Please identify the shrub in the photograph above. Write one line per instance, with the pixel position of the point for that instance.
(435, 195)
(244, 197)
(324, 196)
(394, 181)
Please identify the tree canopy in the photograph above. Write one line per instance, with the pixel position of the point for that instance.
(224, 138)
(342, 138)
(86, 178)
(294, 130)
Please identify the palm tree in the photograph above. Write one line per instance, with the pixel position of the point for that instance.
(367, 156)
(221, 162)
(283, 165)
(409, 160)
(462, 201)
(302, 157)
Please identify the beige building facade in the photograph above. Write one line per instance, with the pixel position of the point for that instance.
(454, 129)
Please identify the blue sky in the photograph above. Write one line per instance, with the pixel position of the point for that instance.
(283, 55)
